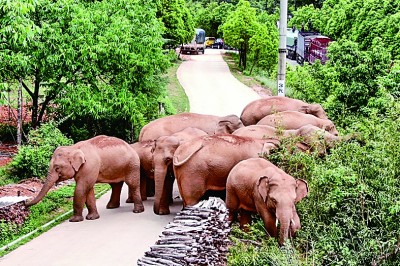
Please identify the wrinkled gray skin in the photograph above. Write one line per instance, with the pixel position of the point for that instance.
(294, 120)
(203, 163)
(145, 151)
(101, 159)
(165, 147)
(256, 110)
(257, 186)
(169, 125)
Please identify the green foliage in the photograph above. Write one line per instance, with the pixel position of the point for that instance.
(32, 160)
(239, 27)
(101, 58)
(177, 20)
(255, 248)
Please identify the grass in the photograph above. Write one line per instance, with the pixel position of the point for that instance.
(268, 85)
(176, 93)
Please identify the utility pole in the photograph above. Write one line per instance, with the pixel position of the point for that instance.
(282, 48)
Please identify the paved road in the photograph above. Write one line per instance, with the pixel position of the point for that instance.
(121, 237)
(211, 87)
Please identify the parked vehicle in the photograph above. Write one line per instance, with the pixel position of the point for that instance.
(209, 41)
(197, 45)
(218, 44)
(311, 46)
(291, 43)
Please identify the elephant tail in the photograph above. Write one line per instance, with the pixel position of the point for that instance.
(177, 163)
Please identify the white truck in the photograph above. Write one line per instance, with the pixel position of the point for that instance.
(197, 45)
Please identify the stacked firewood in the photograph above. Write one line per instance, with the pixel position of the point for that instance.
(198, 235)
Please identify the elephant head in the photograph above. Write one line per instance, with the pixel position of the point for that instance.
(64, 164)
(279, 195)
(314, 109)
(228, 124)
(165, 147)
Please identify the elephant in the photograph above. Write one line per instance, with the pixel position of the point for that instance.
(165, 147)
(256, 185)
(294, 120)
(257, 109)
(169, 125)
(258, 132)
(102, 159)
(317, 139)
(203, 163)
(145, 151)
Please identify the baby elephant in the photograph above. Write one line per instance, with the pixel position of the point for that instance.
(257, 186)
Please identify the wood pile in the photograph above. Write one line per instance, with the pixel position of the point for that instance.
(198, 235)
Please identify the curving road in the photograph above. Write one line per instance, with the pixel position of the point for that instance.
(121, 237)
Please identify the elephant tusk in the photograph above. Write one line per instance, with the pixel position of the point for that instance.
(276, 223)
(292, 221)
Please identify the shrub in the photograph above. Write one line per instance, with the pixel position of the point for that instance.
(32, 160)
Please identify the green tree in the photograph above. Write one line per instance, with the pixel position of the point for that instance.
(263, 46)
(212, 17)
(102, 59)
(239, 27)
(177, 19)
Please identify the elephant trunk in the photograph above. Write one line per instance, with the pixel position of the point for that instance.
(160, 198)
(285, 221)
(51, 179)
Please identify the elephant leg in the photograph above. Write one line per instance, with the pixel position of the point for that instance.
(143, 188)
(269, 221)
(79, 201)
(170, 186)
(115, 195)
(191, 191)
(244, 219)
(91, 206)
(133, 182)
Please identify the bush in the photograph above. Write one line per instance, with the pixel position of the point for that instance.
(32, 160)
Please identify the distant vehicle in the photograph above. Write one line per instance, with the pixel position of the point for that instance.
(218, 44)
(291, 43)
(209, 41)
(311, 46)
(197, 45)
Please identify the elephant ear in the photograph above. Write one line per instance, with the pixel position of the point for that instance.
(77, 158)
(223, 127)
(301, 190)
(263, 187)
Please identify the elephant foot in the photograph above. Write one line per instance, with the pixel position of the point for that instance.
(164, 212)
(130, 200)
(92, 216)
(76, 218)
(138, 208)
(112, 205)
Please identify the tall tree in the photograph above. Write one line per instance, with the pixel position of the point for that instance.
(102, 58)
(239, 27)
(177, 19)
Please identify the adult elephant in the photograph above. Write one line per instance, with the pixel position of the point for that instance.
(101, 159)
(145, 151)
(258, 132)
(257, 186)
(256, 110)
(203, 164)
(165, 148)
(294, 120)
(211, 124)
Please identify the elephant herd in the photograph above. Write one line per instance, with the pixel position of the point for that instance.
(202, 153)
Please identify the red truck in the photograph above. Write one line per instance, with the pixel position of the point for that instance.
(311, 46)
